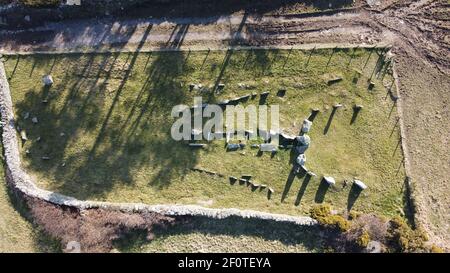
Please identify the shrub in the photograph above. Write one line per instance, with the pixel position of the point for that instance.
(40, 3)
(363, 240)
(322, 214)
(94, 229)
(353, 215)
(405, 239)
(320, 211)
(436, 249)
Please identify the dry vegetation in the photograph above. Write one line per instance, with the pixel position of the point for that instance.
(96, 229)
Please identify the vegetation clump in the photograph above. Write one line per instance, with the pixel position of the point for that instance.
(40, 3)
(363, 240)
(436, 249)
(405, 239)
(322, 213)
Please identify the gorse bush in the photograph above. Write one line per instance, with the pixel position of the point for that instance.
(40, 3)
(363, 240)
(405, 239)
(436, 249)
(322, 214)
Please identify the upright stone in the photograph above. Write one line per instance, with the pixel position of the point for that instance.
(360, 184)
(330, 180)
(306, 126)
(47, 80)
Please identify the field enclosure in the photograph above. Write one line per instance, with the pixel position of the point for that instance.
(102, 130)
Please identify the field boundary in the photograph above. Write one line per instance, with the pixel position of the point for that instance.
(409, 183)
(22, 182)
(201, 48)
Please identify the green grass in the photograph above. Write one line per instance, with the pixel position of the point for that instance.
(114, 111)
(229, 235)
(17, 233)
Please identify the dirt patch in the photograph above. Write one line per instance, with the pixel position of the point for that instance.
(94, 229)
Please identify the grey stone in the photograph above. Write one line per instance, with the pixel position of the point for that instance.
(47, 80)
(34, 120)
(334, 80)
(374, 247)
(23, 135)
(306, 126)
(268, 147)
(233, 146)
(247, 176)
(330, 180)
(360, 184)
(197, 145)
(303, 140)
(301, 160)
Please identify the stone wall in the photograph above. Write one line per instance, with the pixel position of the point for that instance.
(20, 181)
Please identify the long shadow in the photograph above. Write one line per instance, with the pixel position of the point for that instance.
(120, 89)
(330, 119)
(125, 140)
(15, 68)
(287, 233)
(355, 115)
(353, 195)
(321, 191)
(408, 206)
(288, 184)
(313, 115)
(302, 190)
(177, 36)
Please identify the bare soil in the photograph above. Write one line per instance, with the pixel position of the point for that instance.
(418, 31)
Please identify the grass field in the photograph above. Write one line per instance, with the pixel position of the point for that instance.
(17, 233)
(105, 125)
(228, 235)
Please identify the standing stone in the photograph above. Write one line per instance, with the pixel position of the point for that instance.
(301, 160)
(360, 184)
(268, 147)
(304, 140)
(47, 80)
(358, 107)
(330, 180)
(23, 135)
(281, 93)
(306, 126)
